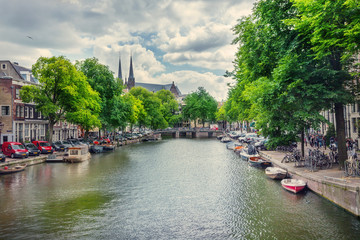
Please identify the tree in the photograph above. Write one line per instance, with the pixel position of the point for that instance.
(152, 105)
(63, 92)
(102, 80)
(169, 106)
(135, 109)
(279, 84)
(333, 30)
(200, 105)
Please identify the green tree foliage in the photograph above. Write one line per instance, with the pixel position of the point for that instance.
(200, 105)
(169, 106)
(278, 83)
(332, 28)
(63, 92)
(102, 80)
(135, 110)
(152, 105)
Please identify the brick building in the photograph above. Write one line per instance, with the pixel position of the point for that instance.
(20, 121)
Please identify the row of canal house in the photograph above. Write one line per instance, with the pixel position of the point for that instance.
(20, 121)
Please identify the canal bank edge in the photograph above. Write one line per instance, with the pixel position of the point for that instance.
(330, 184)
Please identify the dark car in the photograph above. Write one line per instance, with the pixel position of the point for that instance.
(33, 150)
(65, 143)
(58, 146)
(74, 142)
(2, 157)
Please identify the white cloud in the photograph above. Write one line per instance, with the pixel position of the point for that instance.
(190, 81)
(157, 33)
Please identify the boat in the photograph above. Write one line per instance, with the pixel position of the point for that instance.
(96, 149)
(76, 154)
(259, 162)
(232, 145)
(220, 136)
(238, 149)
(54, 158)
(108, 147)
(14, 169)
(293, 185)
(225, 140)
(275, 173)
(248, 152)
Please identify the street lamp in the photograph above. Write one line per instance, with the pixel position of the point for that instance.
(1, 127)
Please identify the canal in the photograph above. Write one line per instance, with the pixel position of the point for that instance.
(171, 189)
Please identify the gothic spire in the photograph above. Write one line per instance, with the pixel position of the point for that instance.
(131, 72)
(119, 71)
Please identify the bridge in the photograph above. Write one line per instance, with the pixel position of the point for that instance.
(190, 133)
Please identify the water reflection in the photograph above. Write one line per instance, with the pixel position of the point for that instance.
(173, 189)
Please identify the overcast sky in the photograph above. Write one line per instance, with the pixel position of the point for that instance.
(188, 42)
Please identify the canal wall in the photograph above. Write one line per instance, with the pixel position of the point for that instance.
(330, 184)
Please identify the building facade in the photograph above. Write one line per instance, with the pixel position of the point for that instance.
(19, 121)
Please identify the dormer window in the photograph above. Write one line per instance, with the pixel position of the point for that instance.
(3, 66)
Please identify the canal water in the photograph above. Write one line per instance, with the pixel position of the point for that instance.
(171, 189)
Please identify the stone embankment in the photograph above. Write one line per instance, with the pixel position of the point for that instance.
(42, 158)
(331, 184)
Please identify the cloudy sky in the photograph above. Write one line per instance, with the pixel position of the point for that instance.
(188, 42)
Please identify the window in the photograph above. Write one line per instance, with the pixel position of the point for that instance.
(3, 66)
(5, 110)
(17, 111)
(354, 124)
(22, 111)
(27, 130)
(26, 112)
(39, 115)
(31, 112)
(17, 93)
(42, 130)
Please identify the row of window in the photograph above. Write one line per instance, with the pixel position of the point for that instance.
(21, 111)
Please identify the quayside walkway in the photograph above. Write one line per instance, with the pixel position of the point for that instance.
(331, 184)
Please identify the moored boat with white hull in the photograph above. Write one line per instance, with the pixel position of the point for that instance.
(293, 185)
(275, 173)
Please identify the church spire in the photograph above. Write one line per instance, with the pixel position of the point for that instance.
(131, 72)
(119, 71)
(131, 79)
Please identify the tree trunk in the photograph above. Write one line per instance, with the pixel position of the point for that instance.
(340, 132)
(50, 131)
(86, 135)
(302, 143)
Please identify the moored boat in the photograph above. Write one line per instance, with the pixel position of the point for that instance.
(259, 162)
(293, 185)
(232, 145)
(14, 169)
(275, 173)
(225, 140)
(77, 154)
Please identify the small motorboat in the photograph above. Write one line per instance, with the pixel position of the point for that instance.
(14, 169)
(275, 173)
(225, 140)
(259, 162)
(293, 185)
(232, 145)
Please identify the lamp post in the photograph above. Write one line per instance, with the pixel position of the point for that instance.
(1, 127)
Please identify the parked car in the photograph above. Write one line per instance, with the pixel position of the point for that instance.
(65, 143)
(14, 149)
(57, 146)
(43, 146)
(74, 141)
(33, 150)
(2, 157)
